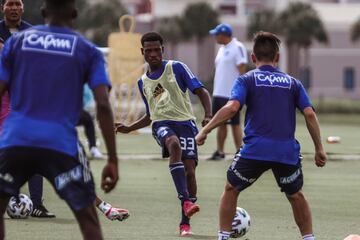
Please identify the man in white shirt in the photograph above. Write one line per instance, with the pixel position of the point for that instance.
(230, 62)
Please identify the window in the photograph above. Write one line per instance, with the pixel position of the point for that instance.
(349, 78)
(305, 77)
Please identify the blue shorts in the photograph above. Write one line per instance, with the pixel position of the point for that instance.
(185, 131)
(219, 102)
(244, 172)
(70, 176)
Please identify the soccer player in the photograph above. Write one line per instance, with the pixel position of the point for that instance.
(165, 90)
(230, 62)
(271, 97)
(45, 68)
(13, 23)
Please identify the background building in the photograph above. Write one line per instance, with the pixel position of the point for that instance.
(334, 69)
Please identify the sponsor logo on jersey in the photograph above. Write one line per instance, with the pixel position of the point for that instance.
(72, 175)
(272, 79)
(53, 43)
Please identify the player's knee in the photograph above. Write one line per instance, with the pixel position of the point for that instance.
(295, 197)
(230, 188)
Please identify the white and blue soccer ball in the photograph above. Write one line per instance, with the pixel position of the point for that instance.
(241, 223)
(19, 207)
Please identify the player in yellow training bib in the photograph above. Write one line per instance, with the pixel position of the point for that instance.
(165, 91)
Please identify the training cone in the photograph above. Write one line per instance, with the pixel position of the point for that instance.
(352, 237)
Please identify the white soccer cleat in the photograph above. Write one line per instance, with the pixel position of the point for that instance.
(115, 213)
(95, 153)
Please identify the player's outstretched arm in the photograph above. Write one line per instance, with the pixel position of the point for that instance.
(144, 121)
(106, 122)
(313, 127)
(205, 100)
(225, 113)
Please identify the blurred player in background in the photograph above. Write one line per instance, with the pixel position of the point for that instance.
(165, 90)
(87, 121)
(272, 98)
(230, 62)
(13, 23)
(40, 66)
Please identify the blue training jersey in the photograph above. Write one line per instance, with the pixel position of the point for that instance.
(45, 68)
(184, 77)
(272, 98)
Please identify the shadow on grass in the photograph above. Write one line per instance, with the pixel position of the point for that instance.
(62, 221)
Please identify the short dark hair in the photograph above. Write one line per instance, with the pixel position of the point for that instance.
(56, 4)
(4, 1)
(266, 46)
(151, 37)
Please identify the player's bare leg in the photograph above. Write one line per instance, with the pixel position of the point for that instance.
(237, 135)
(221, 135)
(89, 223)
(227, 208)
(111, 212)
(302, 212)
(3, 205)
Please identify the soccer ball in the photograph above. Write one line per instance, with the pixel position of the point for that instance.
(19, 207)
(240, 224)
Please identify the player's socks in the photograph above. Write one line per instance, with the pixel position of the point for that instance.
(184, 218)
(223, 235)
(177, 171)
(308, 237)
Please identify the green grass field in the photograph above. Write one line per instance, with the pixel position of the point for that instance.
(146, 189)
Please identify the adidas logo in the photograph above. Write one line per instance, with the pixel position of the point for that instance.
(191, 153)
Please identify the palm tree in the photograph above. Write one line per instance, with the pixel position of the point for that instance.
(355, 31)
(300, 24)
(196, 21)
(265, 20)
(170, 29)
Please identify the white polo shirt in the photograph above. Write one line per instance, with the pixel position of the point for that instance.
(227, 60)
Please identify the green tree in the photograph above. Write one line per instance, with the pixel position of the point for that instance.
(300, 25)
(265, 20)
(98, 20)
(170, 29)
(197, 20)
(355, 31)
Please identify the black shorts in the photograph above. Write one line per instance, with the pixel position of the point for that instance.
(70, 176)
(244, 172)
(185, 133)
(219, 102)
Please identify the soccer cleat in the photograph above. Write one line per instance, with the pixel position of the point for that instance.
(115, 213)
(41, 212)
(95, 153)
(217, 156)
(190, 208)
(185, 230)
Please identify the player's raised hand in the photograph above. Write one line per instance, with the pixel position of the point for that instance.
(121, 128)
(200, 138)
(109, 177)
(320, 158)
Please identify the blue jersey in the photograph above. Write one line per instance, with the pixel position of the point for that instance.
(184, 77)
(45, 68)
(272, 98)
